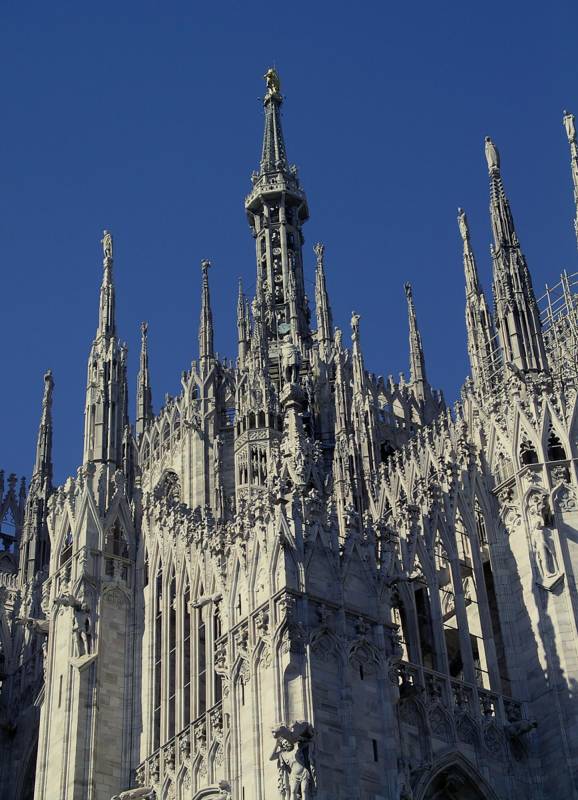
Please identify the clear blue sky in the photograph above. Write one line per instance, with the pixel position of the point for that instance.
(144, 118)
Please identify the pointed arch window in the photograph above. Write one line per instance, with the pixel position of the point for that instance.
(66, 552)
(503, 468)
(217, 679)
(400, 620)
(116, 551)
(8, 532)
(425, 627)
(172, 660)
(146, 568)
(177, 427)
(556, 451)
(447, 595)
(166, 437)
(480, 524)
(186, 697)
(158, 660)
(201, 664)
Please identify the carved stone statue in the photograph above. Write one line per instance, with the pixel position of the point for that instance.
(218, 454)
(225, 791)
(140, 793)
(520, 728)
(293, 754)
(107, 244)
(492, 155)
(82, 629)
(539, 511)
(273, 83)
(570, 126)
(463, 224)
(291, 361)
(355, 318)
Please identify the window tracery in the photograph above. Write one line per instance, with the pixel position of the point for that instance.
(116, 551)
(555, 449)
(66, 551)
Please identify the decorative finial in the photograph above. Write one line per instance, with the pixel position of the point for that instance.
(319, 250)
(492, 155)
(568, 121)
(205, 264)
(144, 327)
(273, 84)
(463, 225)
(107, 244)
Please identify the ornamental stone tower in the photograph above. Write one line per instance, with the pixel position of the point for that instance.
(298, 579)
(86, 744)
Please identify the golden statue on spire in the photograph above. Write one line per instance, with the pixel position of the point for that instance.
(273, 83)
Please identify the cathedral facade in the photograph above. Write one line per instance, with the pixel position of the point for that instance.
(299, 580)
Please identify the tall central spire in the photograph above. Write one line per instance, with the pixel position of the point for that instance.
(274, 155)
(516, 310)
(276, 210)
(105, 414)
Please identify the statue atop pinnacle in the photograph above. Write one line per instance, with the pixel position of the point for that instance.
(273, 84)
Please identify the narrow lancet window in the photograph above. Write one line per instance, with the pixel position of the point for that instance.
(172, 662)
(157, 678)
(187, 657)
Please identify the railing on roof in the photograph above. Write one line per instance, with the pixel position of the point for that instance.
(559, 317)
(558, 308)
(560, 302)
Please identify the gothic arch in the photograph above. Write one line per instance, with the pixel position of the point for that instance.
(435, 784)
(239, 589)
(325, 645)
(258, 572)
(8, 563)
(284, 557)
(551, 423)
(413, 730)
(65, 528)
(554, 444)
(526, 442)
(118, 514)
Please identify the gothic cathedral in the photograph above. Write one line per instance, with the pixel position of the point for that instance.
(299, 580)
